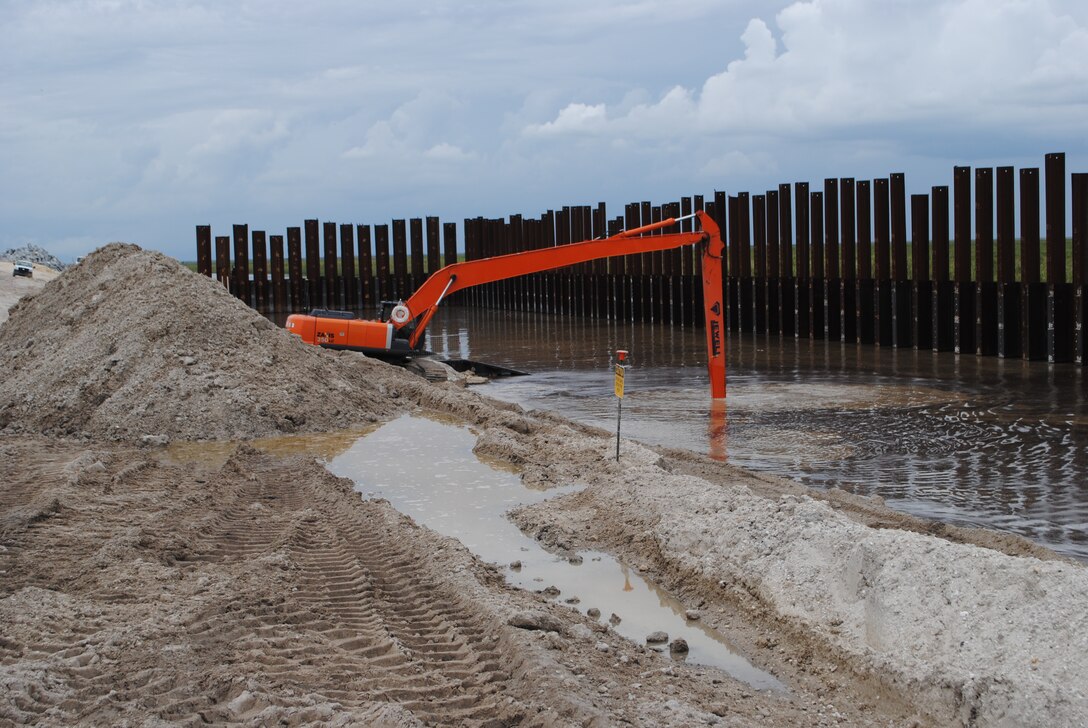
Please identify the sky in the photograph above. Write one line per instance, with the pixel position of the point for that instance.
(137, 120)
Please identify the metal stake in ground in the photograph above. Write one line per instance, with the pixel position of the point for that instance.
(621, 367)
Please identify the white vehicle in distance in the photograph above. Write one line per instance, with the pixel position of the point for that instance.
(23, 268)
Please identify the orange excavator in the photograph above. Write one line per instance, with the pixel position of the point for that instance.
(398, 333)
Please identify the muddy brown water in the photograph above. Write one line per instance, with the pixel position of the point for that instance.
(453, 492)
(967, 440)
(457, 494)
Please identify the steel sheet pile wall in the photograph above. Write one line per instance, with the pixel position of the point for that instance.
(832, 263)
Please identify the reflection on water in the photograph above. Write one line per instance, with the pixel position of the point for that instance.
(968, 440)
(445, 487)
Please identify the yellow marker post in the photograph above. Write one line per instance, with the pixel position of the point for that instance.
(621, 357)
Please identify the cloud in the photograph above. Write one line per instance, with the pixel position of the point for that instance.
(414, 132)
(850, 65)
(736, 162)
(575, 118)
(226, 130)
(448, 152)
(136, 119)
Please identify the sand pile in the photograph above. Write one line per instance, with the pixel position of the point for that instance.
(979, 637)
(130, 344)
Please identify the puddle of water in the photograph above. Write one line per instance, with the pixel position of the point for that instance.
(321, 445)
(975, 441)
(453, 492)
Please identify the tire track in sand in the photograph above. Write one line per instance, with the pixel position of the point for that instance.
(370, 618)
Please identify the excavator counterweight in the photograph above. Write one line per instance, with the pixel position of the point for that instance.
(398, 333)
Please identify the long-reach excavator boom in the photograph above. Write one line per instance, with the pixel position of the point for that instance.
(402, 333)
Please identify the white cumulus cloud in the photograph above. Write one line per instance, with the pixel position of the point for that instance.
(414, 131)
(449, 152)
(574, 118)
(828, 66)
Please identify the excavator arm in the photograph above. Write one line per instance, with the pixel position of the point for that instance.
(416, 312)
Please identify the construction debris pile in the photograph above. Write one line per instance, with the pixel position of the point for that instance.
(35, 254)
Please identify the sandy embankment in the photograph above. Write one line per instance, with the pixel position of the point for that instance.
(138, 586)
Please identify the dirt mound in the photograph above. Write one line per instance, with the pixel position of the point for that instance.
(129, 344)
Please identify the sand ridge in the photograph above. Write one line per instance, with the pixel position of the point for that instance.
(959, 626)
